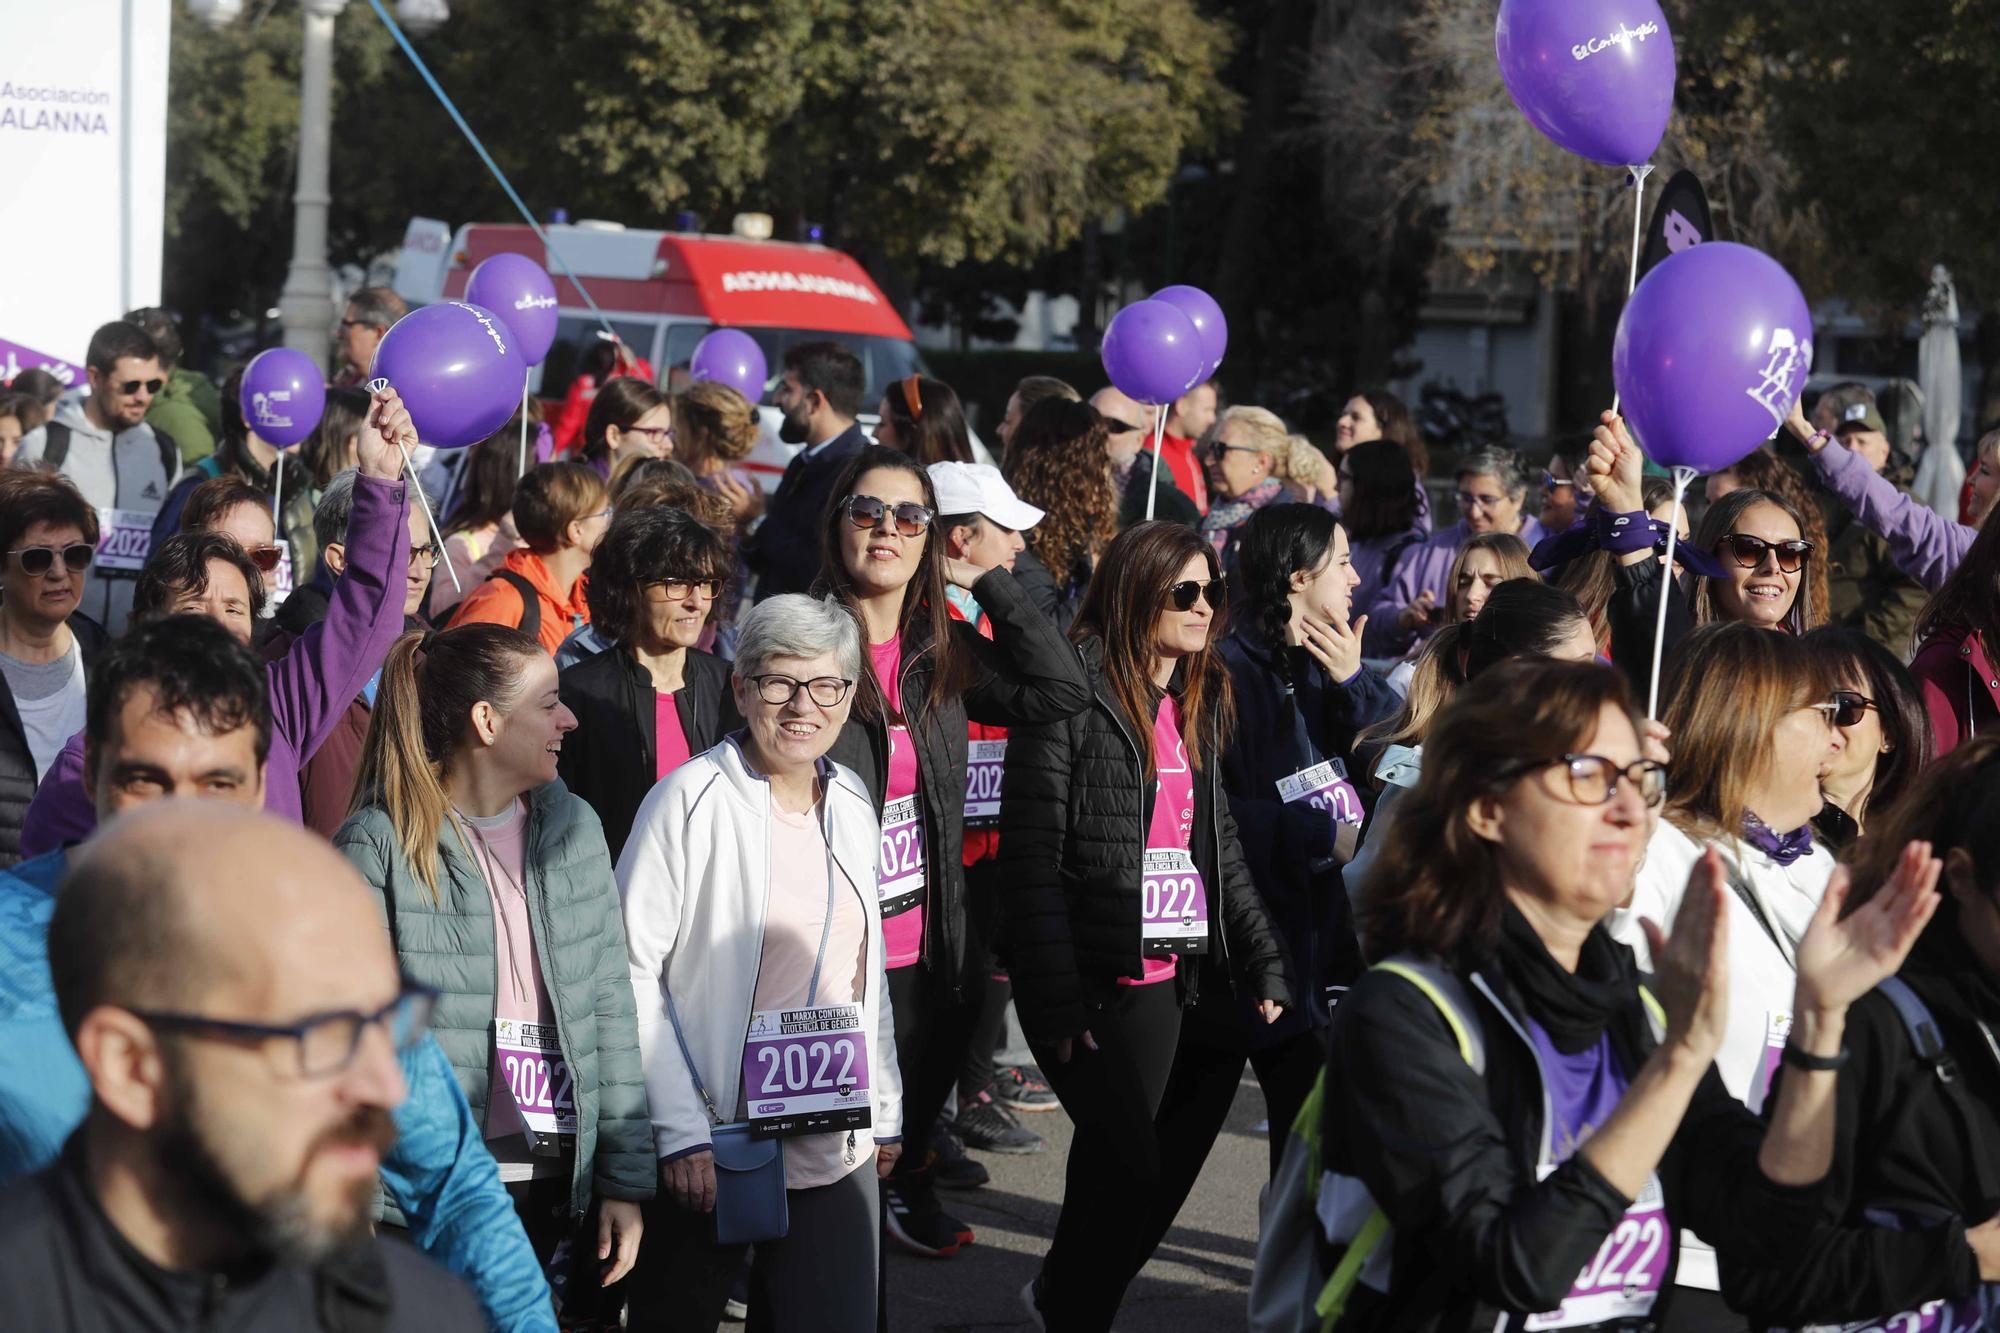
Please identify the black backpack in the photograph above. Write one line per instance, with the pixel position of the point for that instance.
(55, 448)
(531, 603)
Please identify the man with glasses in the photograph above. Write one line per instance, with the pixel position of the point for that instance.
(121, 465)
(1129, 446)
(177, 709)
(370, 313)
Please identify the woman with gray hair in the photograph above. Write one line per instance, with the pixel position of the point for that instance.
(756, 960)
(1492, 483)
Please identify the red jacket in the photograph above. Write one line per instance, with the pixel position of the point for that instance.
(1177, 452)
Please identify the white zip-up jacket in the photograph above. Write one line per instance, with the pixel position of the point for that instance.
(695, 881)
(1762, 971)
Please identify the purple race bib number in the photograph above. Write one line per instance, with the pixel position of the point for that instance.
(1324, 787)
(900, 882)
(1964, 1316)
(531, 1065)
(1623, 1279)
(1173, 903)
(124, 538)
(805, 1071)
(985, 761)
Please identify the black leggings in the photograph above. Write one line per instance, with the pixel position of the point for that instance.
(931, 1035)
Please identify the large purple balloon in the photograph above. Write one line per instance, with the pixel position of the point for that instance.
(282, 396)
(458, 369)
(520, 291)
(1712, 353)
(1152, 352)
(732, 357)
(1596, 76)
(1201, 308)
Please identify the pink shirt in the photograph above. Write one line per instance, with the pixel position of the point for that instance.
(903, 933)
(795, 915)
(1173, 811)
(887, 659)
(671, 748)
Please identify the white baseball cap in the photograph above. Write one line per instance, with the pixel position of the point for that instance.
(978, 488)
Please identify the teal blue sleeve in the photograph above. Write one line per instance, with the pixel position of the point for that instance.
(43, 1093)
(443, 1179)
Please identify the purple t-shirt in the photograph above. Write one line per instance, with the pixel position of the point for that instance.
(1583, 1088)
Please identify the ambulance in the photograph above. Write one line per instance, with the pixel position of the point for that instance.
(663, 291)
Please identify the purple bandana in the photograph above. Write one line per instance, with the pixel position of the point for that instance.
(1782, 848)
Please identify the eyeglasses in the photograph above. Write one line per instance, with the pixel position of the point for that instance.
(866, 512)
(133, 386)
(1749, 551)
(326, 1043)
(826, 691)
(1467, 500)
(1593, 779)
(266, 558)
(427, 554)
(656, 434)
(1217, 449)
(1846, 708)
(913, 397)
(678, 590)
(1181, 595)
(36, 561)
(1551, 483)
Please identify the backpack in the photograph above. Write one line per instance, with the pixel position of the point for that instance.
(55, 448)
(531, 604)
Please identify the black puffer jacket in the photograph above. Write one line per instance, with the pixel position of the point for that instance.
(610, 759)
(17, 764)
(1026, 673)
(1074, 810)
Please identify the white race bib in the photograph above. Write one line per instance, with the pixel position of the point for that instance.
(125, 538)
(900, 885)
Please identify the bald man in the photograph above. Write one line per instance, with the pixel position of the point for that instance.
(1130, 448)
(240, 1032)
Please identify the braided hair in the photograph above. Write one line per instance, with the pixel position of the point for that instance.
(1279, 541)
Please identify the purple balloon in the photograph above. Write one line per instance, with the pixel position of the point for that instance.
(1596, 76)
(1201, 308)
(282, 396)
(732, 357)
(1152, 352)
(459, 371)
(1712, 353)
(520, 291)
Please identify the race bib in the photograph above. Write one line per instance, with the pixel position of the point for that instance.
(1623, 1279)
(532, 1066)
(1324, 787)
(281, 578)
(900, 885)
(1777, 1030)
(985, 761)
(124, 538)
(805, 1071)
(1963, 1316)
(1174, 904)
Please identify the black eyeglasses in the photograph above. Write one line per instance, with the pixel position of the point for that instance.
(866, 512)
(133, 386)
(36, 561)
(678, 590)
(426, 554)
(1593, 779)
(826, 691)
(326, 1042)
(1182, 595)
(656, 434)
(1846, 708)
(1748, 551)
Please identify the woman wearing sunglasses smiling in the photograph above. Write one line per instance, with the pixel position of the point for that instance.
(928, 675)
(1879, 708)
(1129, 900)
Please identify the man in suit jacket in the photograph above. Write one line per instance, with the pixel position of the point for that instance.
(820, 397)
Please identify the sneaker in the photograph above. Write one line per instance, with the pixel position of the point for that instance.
(1031, 1302)
(915, 1221)
(735, 1311)
(988, 1126)
(950, 1166)
(1022, 1088)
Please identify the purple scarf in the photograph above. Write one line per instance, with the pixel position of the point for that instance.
(1784, 848)
(1225, 516)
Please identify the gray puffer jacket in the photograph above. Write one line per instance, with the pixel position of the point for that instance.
(579, 940)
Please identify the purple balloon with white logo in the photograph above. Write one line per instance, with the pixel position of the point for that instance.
(282, 396)
(1712, 354)
(1152, 352)
(1208, 320)
(458, 369)
(1596, 76)
(521, 292)
(732, 357)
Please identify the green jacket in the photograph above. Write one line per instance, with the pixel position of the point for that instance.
(579, 938)
(190, 410)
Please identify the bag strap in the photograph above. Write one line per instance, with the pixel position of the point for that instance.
(55, 444)
(531, 602)
(1928, 1039)
(694, 1070)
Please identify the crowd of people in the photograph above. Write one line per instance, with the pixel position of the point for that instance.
(633, 919)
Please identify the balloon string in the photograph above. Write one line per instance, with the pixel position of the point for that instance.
(1682, 476)
(1159, 433)
(277, 494)
(1639, 175)
(376, 386)
(522, 471)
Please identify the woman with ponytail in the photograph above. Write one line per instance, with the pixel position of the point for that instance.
(498, 892)
(1302, 695)
(1135, 930)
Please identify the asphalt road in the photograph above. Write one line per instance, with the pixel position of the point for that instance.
(1198, 1280)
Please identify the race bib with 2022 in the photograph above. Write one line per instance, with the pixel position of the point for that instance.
(805, 1071)
(532, 1065)
(985, 764)
(1173, 903)
(124, 538)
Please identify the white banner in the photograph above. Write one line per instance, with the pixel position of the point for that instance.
(83, 149)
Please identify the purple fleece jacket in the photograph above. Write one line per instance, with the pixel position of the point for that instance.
(311, 685)
(1924, 544)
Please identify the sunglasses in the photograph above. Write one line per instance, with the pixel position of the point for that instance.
(1846, 708)
(1182, 595)
(1551, 483)
(1749, 551)
(866, 512)
(133, 386)
(36, 561)
(266, 558)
